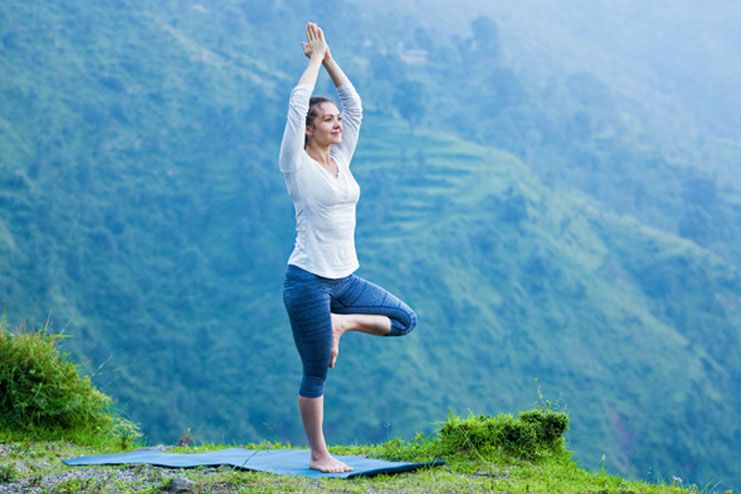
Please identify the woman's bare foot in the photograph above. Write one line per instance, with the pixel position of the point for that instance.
(339, 326)
(326, 463)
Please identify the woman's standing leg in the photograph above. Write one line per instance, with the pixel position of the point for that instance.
(307, 302)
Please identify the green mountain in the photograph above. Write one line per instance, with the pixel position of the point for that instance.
(141, 206)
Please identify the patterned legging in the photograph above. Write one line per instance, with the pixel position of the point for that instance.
(309, 299)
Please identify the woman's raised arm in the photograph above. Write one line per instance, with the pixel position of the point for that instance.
(298, 105)
(352, 108)
(333, 69)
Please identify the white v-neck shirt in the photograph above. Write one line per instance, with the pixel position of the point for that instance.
(324, 203)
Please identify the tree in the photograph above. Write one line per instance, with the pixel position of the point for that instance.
(409, 101)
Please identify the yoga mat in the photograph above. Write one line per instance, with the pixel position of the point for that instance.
(280, 461)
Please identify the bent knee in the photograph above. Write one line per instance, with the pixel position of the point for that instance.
(405, 326)
(412, 320)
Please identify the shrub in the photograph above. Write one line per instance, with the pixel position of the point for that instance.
(528, 436)
(549, 426)
(41, 389)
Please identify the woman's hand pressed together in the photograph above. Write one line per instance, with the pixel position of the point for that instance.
(315, 46)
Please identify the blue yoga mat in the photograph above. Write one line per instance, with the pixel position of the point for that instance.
(281, 461)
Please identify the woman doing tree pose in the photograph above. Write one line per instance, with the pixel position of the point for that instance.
(323, 297)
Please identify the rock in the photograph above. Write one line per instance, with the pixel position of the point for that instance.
(180, 485)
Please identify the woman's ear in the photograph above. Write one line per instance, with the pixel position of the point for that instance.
(309, 131)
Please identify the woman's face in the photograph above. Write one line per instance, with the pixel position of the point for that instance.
(327, 126)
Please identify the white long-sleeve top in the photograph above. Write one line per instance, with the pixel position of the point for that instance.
(324, 204)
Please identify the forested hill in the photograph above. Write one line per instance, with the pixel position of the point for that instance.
(544, 242)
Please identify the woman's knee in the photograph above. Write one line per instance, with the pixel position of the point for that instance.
(312, 385)
(404, 325)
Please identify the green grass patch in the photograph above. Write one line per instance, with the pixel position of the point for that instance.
(529, 435)
(43, 396)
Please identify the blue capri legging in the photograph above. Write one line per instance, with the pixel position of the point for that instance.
(309, 299)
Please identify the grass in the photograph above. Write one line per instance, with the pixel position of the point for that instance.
(531, 435)
(33, 462)
(44, 397)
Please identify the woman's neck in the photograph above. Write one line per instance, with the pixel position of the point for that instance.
(319, 153)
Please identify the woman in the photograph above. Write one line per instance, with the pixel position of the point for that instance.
(323, 297)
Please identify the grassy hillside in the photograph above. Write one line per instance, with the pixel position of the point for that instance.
(558, 289)
(589, 102)
(140, 205)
